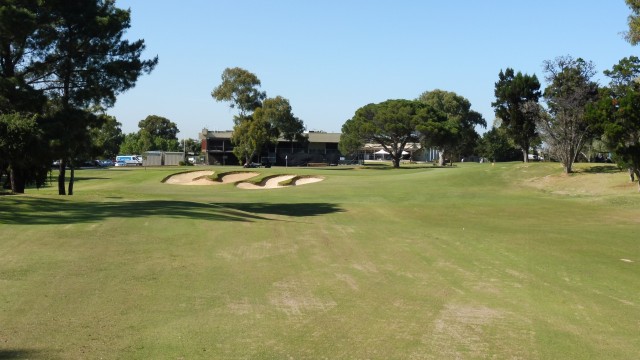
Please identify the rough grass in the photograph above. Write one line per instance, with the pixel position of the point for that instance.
(511, 261)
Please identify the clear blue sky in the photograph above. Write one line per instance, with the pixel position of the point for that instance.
(331, 57)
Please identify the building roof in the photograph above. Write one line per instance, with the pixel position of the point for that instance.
(322, 137)
(314, 137)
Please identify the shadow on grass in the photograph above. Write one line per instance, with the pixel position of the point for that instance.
(295, 210)
(602, 169)
(23, 211)
(20, 354)
(85, 178)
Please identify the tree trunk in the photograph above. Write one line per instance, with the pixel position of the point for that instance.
(441, 158)
(71, 178)
(396, 161)
(525, 155)
(632, 175)
(61, 175)
(568, 168)
(17, 181)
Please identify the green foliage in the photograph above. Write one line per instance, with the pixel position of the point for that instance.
(20, 48)
(88, 61)
(277, 111)
(633, 35)
(568, 96)
(250, 136)
(156, 134)
(617, 114)
(454, 133)
(350, 140)
(22, 151)
(106, 137)
(239, 88)
(159, 127)
(191, 146)
(74, 54)
(495, 145)
(392, 124)
(511, 92)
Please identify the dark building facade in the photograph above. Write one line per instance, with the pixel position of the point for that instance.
(318, 148)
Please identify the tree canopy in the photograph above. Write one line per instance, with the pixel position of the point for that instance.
(260, 120)
(70, 56)
(392, 124)
(21, 151)
(633, 35)
(107, 137)
(568, 95)
(456, 132)
(240, 88)
(277, 111)
(617, 115)
(512, 91)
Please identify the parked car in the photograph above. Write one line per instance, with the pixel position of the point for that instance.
(105, 163)
(130, 160)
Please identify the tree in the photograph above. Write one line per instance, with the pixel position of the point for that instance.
(277, 111)
(20, 49)
(239, 87)
(158, 126)
(392, 124)
(496, 146)
(158, 133)
(106, 137)
(456, 131)
(350, 140)
(70, 140)
(568, 95)
(511, 91)
(21, 151)
(87, 63)
(133, 143)
(633, 35)
(191, 146)
(617, 115)
(249, 136)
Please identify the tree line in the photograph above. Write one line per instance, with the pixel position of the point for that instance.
(61, 64)
(578, 115)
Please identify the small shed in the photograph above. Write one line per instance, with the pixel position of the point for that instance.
(173, 158)
(152, 158)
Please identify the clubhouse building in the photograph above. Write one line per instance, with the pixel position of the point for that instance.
(318, 148)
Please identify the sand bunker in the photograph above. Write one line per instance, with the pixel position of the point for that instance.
(191, 178)
(271, 183)
(307, 180)
(202, 178)
(274, 182)
(235, 177)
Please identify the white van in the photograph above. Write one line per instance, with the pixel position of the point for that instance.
(128, 160)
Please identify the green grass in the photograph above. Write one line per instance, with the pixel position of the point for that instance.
(511, 261)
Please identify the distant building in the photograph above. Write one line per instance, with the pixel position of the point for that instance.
(319, 147)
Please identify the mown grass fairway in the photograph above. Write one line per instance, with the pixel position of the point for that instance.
(511, 261)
